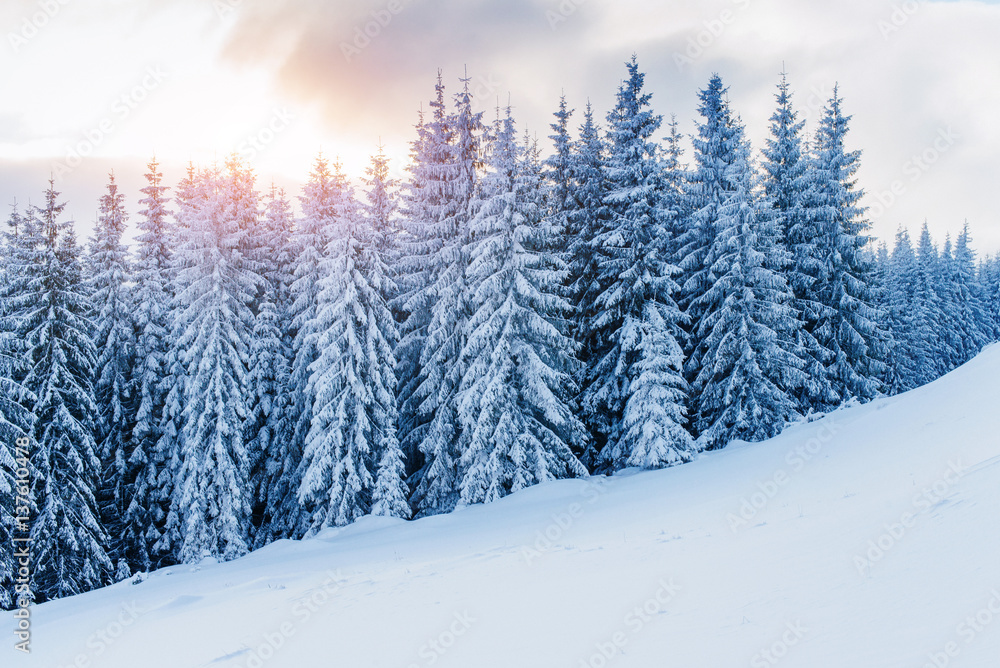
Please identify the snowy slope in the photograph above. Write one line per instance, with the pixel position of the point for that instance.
(875, 542)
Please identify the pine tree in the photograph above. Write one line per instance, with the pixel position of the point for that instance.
(14, 496)
(558, 169)
(911, 331)
(425, 204)
(262, 245)
(584, 222)
(952, 337)
(929, 305)
(191, 197)
(381, 207)
(352, 382)
(968, 305)
(514, 403)
(271, 425)
(266, 432)
(446, 291)
(144, 517)
(784, 184)
(319, 201)
(849, 324)
(109, 278)
(16, 422)
(69, 544)
(634, 392)
(214, 319)
(746, 353)
(988, 278)
(390, 495)
(674, 192)
(19, 251)
(891, 379)
(709, 185)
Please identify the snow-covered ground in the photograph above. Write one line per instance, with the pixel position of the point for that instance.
(869, 538)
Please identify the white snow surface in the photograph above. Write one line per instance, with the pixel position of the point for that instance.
(643, 569)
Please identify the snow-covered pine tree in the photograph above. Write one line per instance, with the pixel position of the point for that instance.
(850, 325)
(144, 517)
(109, 280)
(988, 277)
(929, 304)
(321, 198)
(15, 419)
(674, 197)
(784, 183)
(881, 271)
(381, 212)
(191, 197)
(267, 434)
(951, 344)
(20, 247)
(216, 290)
(440, 367)
(558, 170)
(352, 382)
(278, 230)
(584, 222)
(15, 424)
(968, 305)
(425, 203)
(634, 392)
(891, 379)
(514, 403)
(69, 544)
(271, 424)
(709, 185)
(911, 332)
(266, 381)
(747, 356)
(381, 207)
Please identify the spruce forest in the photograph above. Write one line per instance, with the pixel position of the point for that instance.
(258, 365)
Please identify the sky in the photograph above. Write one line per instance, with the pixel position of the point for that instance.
(91, 86)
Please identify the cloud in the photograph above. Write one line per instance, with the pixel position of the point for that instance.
(907, 69)
(363, 62)
(356, 72)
